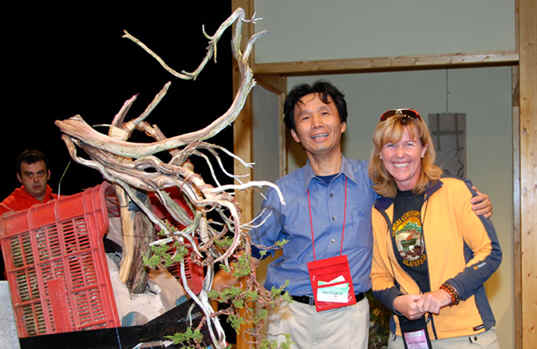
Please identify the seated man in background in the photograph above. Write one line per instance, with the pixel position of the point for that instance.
(33, 174)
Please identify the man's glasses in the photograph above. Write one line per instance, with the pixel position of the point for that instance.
(409, 113)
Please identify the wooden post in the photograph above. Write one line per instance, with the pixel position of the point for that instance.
(243, 147)
(242, 127)
(517, 289)
(527, 46)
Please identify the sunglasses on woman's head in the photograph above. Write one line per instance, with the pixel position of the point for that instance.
(409, 113)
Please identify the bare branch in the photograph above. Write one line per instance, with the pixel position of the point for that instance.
(214, 228)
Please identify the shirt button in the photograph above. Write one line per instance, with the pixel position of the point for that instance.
(331, 195)
(332, 241)
(333, 219)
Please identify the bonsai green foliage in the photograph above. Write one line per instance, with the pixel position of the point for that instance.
(252, 302)
(261, 315)
(266, 344)
(241, 267)
(168, 226)
(277, 245)
(225, 242)
(225, 295)
(279, 292)
(188, 339)
(163, 254)
(379, 325)
(160, 255)
(156, 256)
(235, 321)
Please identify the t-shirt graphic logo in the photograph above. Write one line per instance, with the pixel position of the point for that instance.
(408, 234)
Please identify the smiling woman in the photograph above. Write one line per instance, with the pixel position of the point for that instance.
(423, 229)
(403, 155)
(402, 159)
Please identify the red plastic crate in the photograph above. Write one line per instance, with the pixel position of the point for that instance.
(56, 265)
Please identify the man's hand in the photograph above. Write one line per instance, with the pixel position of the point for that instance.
(481, 204)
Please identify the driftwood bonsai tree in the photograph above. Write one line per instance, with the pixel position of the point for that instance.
(213, 230)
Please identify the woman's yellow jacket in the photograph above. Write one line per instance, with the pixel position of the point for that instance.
(462, 250)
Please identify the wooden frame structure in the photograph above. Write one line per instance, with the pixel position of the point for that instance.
(273, 76)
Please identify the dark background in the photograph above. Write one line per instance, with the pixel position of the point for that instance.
(59, 62)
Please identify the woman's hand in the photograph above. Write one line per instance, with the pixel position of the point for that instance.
(415, 306)
(409, 305)
(432, 302)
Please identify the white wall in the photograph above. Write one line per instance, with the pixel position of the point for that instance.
(484, 94)
(265, 138)
(320, 29)
(266, 135)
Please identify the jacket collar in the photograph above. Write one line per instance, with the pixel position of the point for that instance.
(382, 202)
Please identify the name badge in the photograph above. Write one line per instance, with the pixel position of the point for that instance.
(337, 293)
(416, 340)
(415, 335)
(331, 283)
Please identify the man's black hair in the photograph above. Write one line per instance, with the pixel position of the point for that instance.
(30, 156)
(324, 89)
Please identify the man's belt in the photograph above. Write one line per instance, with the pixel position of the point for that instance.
(311, 301)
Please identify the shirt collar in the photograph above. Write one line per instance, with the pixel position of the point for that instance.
(346, 169)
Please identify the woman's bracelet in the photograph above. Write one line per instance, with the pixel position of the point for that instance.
(453, 294)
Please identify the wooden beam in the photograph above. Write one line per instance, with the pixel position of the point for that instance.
(357, 65)
(527, 43)
(274, 83)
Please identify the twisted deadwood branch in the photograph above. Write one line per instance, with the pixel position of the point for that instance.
(134, 167)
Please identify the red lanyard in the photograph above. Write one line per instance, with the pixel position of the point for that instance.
(344, 220)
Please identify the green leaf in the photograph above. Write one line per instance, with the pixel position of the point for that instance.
(238, 303)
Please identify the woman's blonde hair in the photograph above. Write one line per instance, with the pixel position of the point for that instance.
(391, 131)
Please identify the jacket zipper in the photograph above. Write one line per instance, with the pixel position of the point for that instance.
(423, 213)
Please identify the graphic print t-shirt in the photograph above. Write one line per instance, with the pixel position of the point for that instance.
(407, 237)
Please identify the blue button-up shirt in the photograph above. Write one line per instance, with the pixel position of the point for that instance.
(292, 222)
